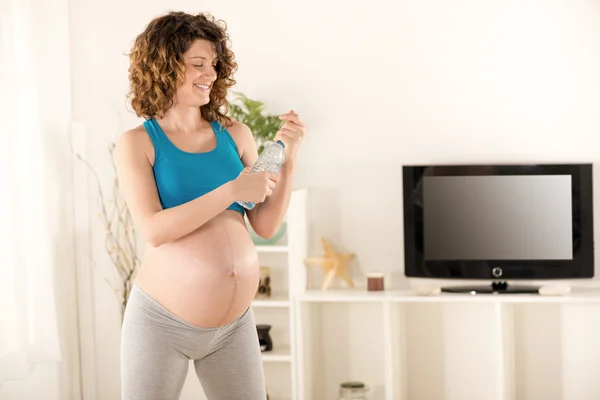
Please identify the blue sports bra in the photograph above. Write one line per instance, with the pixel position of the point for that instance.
(181, 176)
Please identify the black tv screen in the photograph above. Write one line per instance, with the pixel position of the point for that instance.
(498, 221)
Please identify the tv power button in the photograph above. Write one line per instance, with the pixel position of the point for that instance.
(497, 272)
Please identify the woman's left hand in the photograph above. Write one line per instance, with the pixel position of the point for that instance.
(291, 134)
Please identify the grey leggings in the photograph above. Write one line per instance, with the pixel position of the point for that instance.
(157, 346)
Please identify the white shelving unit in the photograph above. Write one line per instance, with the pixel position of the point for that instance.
(451, 346)
(286, 264)
(405, 346)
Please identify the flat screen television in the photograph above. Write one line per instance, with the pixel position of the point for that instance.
(498, 223)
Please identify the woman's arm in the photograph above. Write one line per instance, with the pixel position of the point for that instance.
(266, 217)
(160, 226)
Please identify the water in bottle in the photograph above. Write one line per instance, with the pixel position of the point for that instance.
(269, 160)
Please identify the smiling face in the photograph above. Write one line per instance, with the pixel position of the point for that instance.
(172, 63)
(200, 73)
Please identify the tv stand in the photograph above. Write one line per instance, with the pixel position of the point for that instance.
(498, 287)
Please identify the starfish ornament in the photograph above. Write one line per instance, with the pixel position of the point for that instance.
(333, 264)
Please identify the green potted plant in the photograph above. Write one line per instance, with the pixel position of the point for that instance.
(251, 112)
(264, 127)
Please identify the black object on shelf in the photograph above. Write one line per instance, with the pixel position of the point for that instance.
(264, 339)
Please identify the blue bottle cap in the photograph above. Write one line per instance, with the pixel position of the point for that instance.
(281, 143)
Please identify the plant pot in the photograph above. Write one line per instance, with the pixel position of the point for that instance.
(257, 240)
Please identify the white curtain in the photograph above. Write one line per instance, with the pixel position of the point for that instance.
(28, 326)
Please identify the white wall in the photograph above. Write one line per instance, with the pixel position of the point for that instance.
(56, 381)
(380, 83)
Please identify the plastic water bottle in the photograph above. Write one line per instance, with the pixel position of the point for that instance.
(270, 160)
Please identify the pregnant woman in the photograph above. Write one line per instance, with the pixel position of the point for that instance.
(183, 171)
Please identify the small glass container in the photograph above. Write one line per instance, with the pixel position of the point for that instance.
(353, 391)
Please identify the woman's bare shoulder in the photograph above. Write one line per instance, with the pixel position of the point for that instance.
(242, 136)
(136, 140)
(137, 135)
(239, 130)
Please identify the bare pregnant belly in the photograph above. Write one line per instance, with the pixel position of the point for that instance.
(209, 277)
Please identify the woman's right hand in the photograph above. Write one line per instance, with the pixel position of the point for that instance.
(254, 187)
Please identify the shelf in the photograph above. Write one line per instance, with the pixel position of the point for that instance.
(577, 296)
(283, 259)
(272, 249)
(341, 295)
(277, 355)
(457, 345)
(273, 301)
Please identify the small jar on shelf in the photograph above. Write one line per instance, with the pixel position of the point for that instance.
(353, 391)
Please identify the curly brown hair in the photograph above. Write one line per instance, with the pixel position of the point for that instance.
(157, 66)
